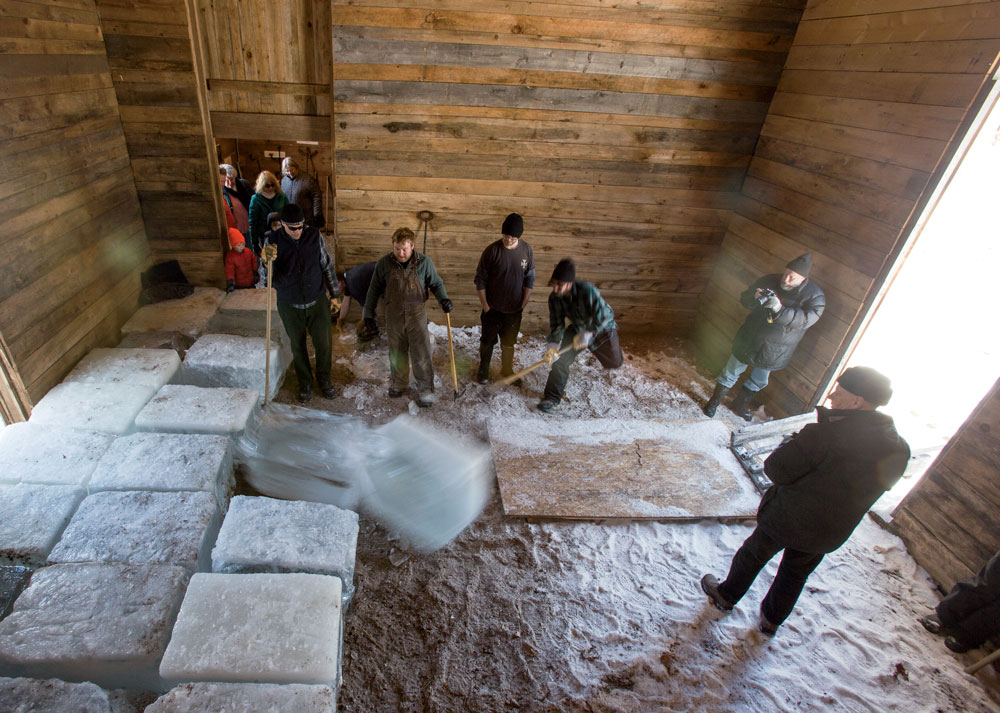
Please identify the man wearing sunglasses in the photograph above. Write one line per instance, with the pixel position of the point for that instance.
(303, 277)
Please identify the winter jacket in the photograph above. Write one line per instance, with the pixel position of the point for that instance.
(828, 475)
(357, 280)
(260, 207)
(304, 190)
(768, 340)
(427, 274)
(302, 270)
(241, 268)
(585, 309)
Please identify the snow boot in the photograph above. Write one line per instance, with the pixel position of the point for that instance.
(933, 624)
(507, 363)
(710, 585)
(766, 626)
(485, 354)
(713, 403)
(744, 404)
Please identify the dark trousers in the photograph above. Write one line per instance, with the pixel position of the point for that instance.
(314, 321)
(608, 351)
(497, 324)
(749, 560)
(971, 611)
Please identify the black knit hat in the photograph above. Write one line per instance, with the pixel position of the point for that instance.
(802, 264)
(565, 271)
(863, 381)
(292, 213)
(513, 225)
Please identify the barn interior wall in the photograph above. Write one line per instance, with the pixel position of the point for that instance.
(869, 98)
(74, 238)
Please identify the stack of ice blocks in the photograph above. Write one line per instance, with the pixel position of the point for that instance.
(233, 361)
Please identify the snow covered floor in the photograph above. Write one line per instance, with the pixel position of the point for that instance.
(608, 616)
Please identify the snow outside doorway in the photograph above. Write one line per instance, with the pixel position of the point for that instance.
(935, 333)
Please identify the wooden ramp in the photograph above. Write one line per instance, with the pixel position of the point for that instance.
(601, 468)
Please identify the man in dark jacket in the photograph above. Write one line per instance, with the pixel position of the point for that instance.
(504, 279)
(591, 325)
(970, 614)
(301, 188)
(782, 307)
(826, 477)
(354, 285)
(302, 276)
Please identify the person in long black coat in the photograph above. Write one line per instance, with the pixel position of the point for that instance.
(782, 307)
(826, 477)
(970, 614)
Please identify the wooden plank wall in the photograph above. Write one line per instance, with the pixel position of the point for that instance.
(620, 132)
(155, 79)
(951, 520)
(74, 242)
(866, 104)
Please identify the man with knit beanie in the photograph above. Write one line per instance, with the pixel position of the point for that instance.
(504, 280)
(826, 477)
(579, 319)
(782, 307)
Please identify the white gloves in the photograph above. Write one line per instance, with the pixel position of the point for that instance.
(551, 354)
(582, 340)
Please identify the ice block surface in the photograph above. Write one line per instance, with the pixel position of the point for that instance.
(149, 367)
(31, 519)
(34, 695)
(31, 453)
(234, 361)
(108, 407)
(193, 409)
(246, 698)
(187, 315)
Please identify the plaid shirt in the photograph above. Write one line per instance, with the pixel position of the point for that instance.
(585, 309)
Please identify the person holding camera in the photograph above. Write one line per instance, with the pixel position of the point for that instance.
(782, 307)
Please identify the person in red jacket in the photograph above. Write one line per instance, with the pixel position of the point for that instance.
(241, 264)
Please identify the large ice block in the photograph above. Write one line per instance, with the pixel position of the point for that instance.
(236, 362)
(13, 580)
(31, 519)
(95, 407)
(34, 695)
(31, 453)
(250, 301)
(105, 623)
(246, 698)
(194, 409)
(141, 527)
(274, 628)
(187, 315)
(149, 367)
(167, 462)
(268, 535)
(248, 323)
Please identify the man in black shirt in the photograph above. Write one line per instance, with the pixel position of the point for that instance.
(504, 280)
(354, 284)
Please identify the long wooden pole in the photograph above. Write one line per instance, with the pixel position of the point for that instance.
(267, 339)
(542, 362)
(451, 353)
(985, 660)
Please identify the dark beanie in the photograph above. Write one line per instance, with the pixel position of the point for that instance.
(565, 271)
(292, 213)
(802, 264)
(863, 381)
(271, 217)
(513, 225)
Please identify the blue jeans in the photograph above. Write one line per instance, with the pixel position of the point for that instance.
(731, 373)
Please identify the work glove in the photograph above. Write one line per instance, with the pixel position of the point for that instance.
(446, 305)
(772, 303)
(319, 221)
(582, 340)
(230, 286)
(551, 354)
(334, 305)
(269, 253)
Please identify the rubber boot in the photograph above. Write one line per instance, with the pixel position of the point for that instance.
(713, 403)
(485, 355)
(744, 404)
(506, 361)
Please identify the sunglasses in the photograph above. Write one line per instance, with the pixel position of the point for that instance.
(300, 226)
(270, 185)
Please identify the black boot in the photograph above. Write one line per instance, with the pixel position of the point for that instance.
(485, 354)
(713, 403)
(744, 404)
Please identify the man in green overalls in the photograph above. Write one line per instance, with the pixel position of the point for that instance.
(403, 278)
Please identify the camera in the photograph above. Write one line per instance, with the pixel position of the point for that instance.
(765, 295)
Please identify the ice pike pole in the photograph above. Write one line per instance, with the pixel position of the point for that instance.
(267, 339)
(541, 362)
(451, 354)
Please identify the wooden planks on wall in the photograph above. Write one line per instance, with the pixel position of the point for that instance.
(950, 520)
(621, 135)
(75, 242)
(155, 78)
(866, 106)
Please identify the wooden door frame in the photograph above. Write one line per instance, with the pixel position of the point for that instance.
(15, 404)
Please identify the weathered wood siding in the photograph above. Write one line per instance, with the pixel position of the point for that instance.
(156, 82)
(867, 103)
(74, 242)
(951, 520)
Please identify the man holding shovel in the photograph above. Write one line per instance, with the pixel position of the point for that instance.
(579, 319)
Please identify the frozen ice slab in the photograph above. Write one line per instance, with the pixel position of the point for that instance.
(268, 535)
(34, 695)
(141, 527)
(250, 301)
(95, 407)
(149, 367)
(247, 323)
(31, 519)
(105, 623)
(236, 362)
(194, 409)
(426, 485)
(274, 628)
(167, 462)
(188, 315)
(13, 580)
(246, 698)
(157, 340)
(30, 453)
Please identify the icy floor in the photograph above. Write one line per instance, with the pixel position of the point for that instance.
(607, 616)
